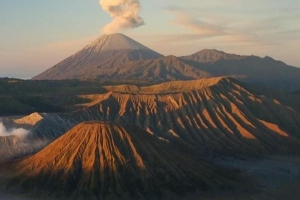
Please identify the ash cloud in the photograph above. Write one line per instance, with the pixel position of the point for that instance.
(19, 132)
(125, 14)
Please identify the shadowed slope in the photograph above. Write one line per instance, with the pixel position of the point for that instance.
(220, 115)
(168, 68)
(260, 71)
(101, 160)
(41, 129)
(12, 140)
(10, 147)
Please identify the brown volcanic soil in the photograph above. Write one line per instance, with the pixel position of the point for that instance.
(166, 88)
(218, 114)
(31, 119)
(100, 160)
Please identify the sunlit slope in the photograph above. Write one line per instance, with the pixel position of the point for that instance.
(218, 114)
(167, 87)
(100, 160)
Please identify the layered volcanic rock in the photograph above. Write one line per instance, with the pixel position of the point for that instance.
(101, 160)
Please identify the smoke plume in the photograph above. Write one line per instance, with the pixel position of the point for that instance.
(125, 14)
(19, 132)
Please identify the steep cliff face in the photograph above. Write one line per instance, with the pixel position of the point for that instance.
(101, 160)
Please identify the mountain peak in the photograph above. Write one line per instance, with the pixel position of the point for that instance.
(211, 56)
(99, 59)
(211, 51)
(115, 41)
(91, 156)
(31, 119)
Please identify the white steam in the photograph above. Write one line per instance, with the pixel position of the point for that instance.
(125, 14)
(19, 132)
(20, 146)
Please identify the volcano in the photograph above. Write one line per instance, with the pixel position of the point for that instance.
(219, 114)
(103, 160)
(98, 58)
(118, 58)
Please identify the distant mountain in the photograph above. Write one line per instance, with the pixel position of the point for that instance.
(250, 67)
(211, 56)
(98, 58)
(96, 160)
(118, 57)
(253, 69)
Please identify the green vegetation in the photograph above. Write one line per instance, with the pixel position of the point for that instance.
(26, 96)
(19, 97)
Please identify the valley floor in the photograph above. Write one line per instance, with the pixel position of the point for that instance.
(273, 178)
(11, 197)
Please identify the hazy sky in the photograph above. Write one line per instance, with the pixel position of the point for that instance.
(35, 34)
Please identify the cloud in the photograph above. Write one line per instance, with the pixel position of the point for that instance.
(200, 27)
(213, 30)
(21, 146)
(125, 14)
(19, 132)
